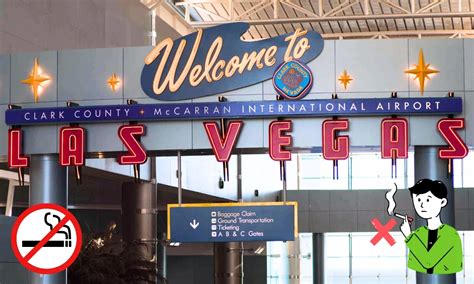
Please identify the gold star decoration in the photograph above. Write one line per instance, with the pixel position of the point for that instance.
(422, 71)
(345, 79)
(113, 81)
(35, 79)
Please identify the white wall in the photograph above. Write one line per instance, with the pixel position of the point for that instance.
(38, 25)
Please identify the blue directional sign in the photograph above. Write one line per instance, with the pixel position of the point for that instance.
(232, 222)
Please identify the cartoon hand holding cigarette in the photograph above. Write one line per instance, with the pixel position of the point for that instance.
(405, 227)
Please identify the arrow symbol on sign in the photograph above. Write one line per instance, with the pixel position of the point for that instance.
(194, 224)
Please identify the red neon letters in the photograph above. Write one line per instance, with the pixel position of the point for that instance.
(394, 141)
(222, 146)
(456, 149)
(15, 157)
(335, 147)
(71, 146)
(394, 138)
(279, 140)
(130, 135)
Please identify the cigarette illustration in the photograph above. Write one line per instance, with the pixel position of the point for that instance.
(49, 244)
(52, 243)
(392, 204)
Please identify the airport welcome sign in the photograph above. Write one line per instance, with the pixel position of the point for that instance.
(216, 60)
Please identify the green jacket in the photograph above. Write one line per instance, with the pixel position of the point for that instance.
(445, 257)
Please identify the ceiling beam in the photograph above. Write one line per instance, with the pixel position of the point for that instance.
(170, 14)
(320, 16)
(338, 18)
(391, 34)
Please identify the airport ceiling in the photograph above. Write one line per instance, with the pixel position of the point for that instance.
(334, 19)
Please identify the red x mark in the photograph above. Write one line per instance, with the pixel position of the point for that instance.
(383, 231)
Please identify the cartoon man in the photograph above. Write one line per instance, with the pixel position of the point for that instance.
(435, 248)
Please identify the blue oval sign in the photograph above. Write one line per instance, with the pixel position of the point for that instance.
(216, 60)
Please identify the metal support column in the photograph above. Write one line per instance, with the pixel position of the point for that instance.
(48, 184)
(161, 231)
(161, 257)
(229, 257)
(293, 254)
(139, 231)
(318, 258)
(429, 165)
(228, 263)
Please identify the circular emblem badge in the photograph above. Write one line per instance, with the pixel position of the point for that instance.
(293, 80)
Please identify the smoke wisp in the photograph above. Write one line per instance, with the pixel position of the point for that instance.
(390, 198)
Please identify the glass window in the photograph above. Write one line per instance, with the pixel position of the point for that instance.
(111, 165)
(410, 170)
(306, 257)
(468, 249)
(199, 173)
(336, 257)
(351, 258)
(458, 173)
(461, 170)
(381, 260)
(336, 245)
(278, 269)
(166, 170)
(260, 172)
(366, 170)
(290, 260)
(370, 171)
(364, 262)
(317, 173)
(467, 168)
(202, 174)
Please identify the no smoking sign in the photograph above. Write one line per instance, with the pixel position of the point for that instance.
(46, 238)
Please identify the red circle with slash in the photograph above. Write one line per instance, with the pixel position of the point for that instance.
(55, 251)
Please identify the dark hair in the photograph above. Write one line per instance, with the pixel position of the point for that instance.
(426, 185)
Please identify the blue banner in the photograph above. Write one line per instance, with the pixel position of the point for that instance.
(216, 60)
(232, 222)
(242, 110)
